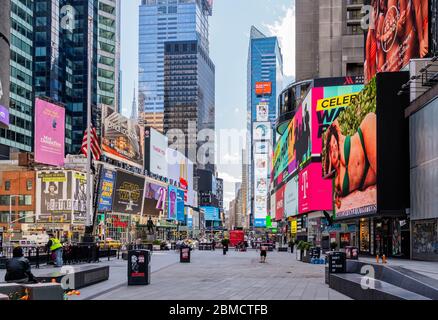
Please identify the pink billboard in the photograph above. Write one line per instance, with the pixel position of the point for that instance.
(49, 133)
(314, 193)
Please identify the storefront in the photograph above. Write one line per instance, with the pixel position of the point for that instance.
(425, 240)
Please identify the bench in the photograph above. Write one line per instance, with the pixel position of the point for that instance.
(38, 291)
(83, 276)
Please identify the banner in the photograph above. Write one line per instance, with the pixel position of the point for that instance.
(122, 138)
(49, 133)
(172, 203)
(262, 110)
(79, 183)
(156, 161)
(261, 131)
(128, 193)
(314, 193)
(180, 205)
(279, 203)
(107, 180)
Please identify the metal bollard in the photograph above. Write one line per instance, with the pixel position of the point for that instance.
(37, 253)
(109, 253)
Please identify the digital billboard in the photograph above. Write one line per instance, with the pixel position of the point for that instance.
(49, 133)
(154, 198)
(314, 192)
(211, 213)
(291, 197)
(128, 193)
(349, 155)
(262, 111)
(172, 207)
(121, 138)
(4, 116)
(261, 131)
(279, 203)
(106, 190)
(398, 32)
(156, 160)
(327, 104)
(263, 88)
(180, 205)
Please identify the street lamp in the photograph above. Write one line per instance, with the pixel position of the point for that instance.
(10, 216)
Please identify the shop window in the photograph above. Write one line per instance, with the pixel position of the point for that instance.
(7, 185)
(29, 184)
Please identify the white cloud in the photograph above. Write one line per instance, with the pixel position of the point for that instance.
(229, 178)
(284, 29)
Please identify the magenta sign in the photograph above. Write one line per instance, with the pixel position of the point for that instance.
(49, 133)
(314, 193)
(4, 116)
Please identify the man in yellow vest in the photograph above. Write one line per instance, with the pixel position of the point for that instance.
(55, 247)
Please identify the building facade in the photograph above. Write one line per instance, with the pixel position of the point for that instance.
(264, 83)
(329, 38)
(161, 21)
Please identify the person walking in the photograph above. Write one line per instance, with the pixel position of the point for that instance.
(55, 246)
(18, 268)
(263, 252)
(225, 246)
(213, 244)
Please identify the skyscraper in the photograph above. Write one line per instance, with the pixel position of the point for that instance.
(5, 31)
(264, 83)
(329, 39)
(19, 134)
(161, 21)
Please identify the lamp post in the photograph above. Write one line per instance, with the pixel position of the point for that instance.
(10, 216)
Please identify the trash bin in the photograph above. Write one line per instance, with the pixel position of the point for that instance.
(184, 255)
(139, 268)
(337, 262)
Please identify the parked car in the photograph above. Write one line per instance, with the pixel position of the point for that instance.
(113, 244)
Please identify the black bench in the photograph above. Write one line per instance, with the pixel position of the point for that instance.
(84, 276)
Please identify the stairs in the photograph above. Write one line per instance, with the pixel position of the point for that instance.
(391, 283)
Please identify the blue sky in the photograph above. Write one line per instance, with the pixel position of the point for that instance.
(229, 38)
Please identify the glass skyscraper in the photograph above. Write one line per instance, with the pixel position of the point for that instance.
(161, 21)
(264, 84)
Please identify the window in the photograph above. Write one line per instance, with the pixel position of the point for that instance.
(7, 185)
(29, 184)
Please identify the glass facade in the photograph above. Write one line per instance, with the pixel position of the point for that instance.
(161, 21)
(265, 64)
(19, 135)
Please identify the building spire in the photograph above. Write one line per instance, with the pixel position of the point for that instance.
(134, 107)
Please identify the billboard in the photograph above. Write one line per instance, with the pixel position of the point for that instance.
(327, 104)
(291, 197)
(180, 169)
(154, 198)
(279, 203)
(172, 203)
(261, 147)
(314, 192)
(211, 213)
(106, 190)
(121, 138)
(293, 150)
(349, 155)
(262, 112)
(5, 30)
(61, 196)
(180, 205)
(261, 131)
(128, 193)
(4, 116)
(49, 133)
(263, 88)
(156, 160)
(398, 32)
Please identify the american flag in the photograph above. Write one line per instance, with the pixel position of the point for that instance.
(94, 144)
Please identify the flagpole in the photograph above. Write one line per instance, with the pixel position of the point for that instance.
(90, 59)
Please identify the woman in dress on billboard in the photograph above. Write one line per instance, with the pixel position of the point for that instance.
(371, 44)
(353, 158)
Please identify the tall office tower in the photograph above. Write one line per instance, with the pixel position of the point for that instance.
(161, 21)
(244, 188)
(329, 38)
(264, 83)
(19, 134)
(61, 58)
(189, 102)
(5, 53)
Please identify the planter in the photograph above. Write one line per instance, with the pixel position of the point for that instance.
(306, 256)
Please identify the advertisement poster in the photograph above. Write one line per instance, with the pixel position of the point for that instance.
(261, 165)
(291, 197)
(4, 116)
(211, 213)
(54, 196)
(351, 139)
(279, 203)
(156, 160)
(154, 199)
(49, 133)
(327, 104)
(293, 150)
(398, 32)
(261, 147)
(314, 192)
(180, 205)
(121, 138)
(262, 112)
(107, 180)
(128, 193)
(263, 88)
(261, 131)
(172, 203)
(79, 183)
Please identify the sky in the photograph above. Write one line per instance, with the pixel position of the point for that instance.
(229, 40)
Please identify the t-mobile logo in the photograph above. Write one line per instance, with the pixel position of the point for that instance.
(305, 184)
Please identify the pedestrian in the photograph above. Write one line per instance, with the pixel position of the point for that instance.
(263, 253)
(225, 246)
(55, 247)
(18, 268)
(213, 244)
